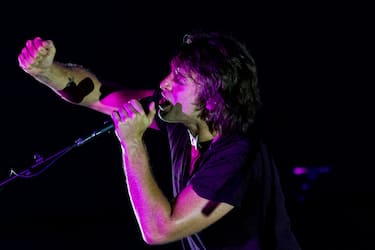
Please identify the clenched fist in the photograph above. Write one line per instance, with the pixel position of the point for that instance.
(37, 56)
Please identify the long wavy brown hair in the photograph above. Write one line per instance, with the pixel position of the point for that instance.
(226, 73)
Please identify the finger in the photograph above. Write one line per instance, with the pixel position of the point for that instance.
(45, 47)
(39, 46)
(26, 57)
(129, 109)
(123, 113)
(30, 48)
(137, 106)
(21, 61)
(38, 42)
(115, 116)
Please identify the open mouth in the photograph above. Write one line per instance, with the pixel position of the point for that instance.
(164, 105)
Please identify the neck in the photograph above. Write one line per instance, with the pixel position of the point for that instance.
(199, 129)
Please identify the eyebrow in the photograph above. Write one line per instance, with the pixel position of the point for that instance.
(177, 72)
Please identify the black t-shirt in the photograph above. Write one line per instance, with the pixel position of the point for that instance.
(237, 170)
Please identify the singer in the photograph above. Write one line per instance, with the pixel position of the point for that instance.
(226, 188)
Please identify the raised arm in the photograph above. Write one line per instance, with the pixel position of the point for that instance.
(71, 82)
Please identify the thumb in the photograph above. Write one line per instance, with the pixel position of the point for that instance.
(152, 111)
(48, 44)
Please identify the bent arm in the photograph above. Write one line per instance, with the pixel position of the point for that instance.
(71, 82)
(160, 220)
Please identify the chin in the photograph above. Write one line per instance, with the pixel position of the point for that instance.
(173, 114)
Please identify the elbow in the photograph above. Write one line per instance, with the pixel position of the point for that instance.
(152, 239)
(158, 237)
(152, 242)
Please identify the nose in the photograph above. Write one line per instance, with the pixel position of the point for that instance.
(166, 84)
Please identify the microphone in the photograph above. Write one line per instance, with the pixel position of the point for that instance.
(145, 102)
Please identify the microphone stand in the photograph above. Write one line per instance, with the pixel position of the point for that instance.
(28, 172)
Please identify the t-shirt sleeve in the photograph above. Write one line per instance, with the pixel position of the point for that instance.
(223, 175)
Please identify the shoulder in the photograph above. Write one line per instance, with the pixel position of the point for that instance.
(232, 143)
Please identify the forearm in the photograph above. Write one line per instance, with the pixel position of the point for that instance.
(71, 82)
(151, 207)
(79, 86)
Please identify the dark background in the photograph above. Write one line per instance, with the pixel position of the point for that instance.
(314, 61)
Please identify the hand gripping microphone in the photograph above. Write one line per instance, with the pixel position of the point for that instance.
(145, 102)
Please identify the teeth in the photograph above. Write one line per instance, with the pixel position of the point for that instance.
(161, 108)
(163, 103)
